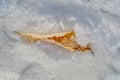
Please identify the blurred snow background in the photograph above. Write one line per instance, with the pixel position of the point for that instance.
(94, 21)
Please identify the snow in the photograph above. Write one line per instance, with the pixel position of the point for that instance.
(94, 21)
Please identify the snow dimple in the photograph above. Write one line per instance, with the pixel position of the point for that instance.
(94, 21)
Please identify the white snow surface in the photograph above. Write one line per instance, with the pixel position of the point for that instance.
(94, 21)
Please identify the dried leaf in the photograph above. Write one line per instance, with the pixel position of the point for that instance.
(64, 39)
